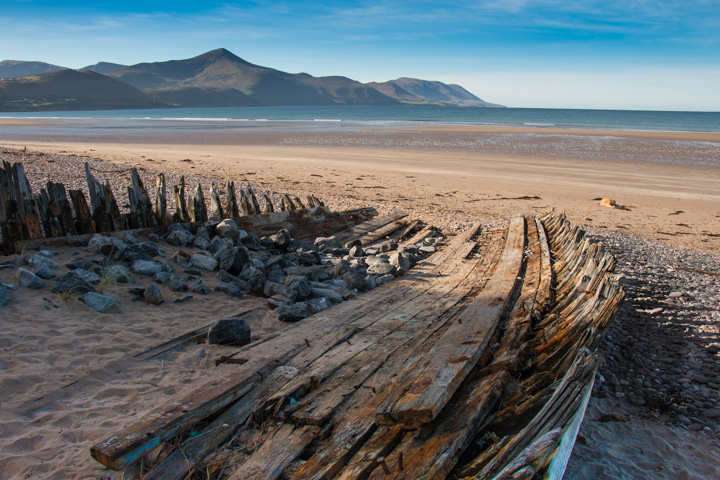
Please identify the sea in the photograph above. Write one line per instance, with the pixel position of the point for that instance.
(413, 115)
(386, 127)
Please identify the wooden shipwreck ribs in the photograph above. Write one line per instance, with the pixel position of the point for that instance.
(49, 214)
(478, 364)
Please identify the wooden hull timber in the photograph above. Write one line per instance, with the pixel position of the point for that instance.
(476, 364)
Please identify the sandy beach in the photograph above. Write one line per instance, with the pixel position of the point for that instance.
(68, 380)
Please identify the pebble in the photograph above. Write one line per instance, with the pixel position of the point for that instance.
(663, 346)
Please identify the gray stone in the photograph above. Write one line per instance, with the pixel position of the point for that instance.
(699, 378)
(318, 304)
(278, 301)
(201, 242)
(227, 229)
(109, 246)
(179, 285)
(272, 288)
(400, 260)
(327, 242)
(216, 244)
(99, 303)
(384, 279)
(232, 259)
(204, 261)
(47, 253)
(84, 263)
(683, 419)
(120, 274)
(229, 331)
(299, 284)
(152, 295)
(281, 240)
(353, 243)
(356, 251)
(39, 261)
(294, 312)
(307, 258)
(229, 288)
(163, 277)
(89, 277)
(28, 279)
(146, 267)
(179, 238)
(382, 269)
(355, 281)
(330, 294)
(198, 287)
(389, 247)
(4, 296)
(74, 282)
(712, 413)
(183, 299)
(426, 249)
(45, 273)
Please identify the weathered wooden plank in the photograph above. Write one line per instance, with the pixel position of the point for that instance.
(440, 373)
(434, 450)
(381, 232)
(269, 461)
(354, 422)
(26, 204)
(361, 229)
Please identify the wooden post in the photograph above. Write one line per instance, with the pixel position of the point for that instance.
(232, 203)
(245, 208)
(160, 200)
(215, 205)
(268, 205)
(83, 219)
(198, 212)
(181, 212)
(298, 203)
(140, 201)
(26, 204)
(253, 200)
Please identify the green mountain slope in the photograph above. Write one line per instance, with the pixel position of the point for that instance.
(70, 90)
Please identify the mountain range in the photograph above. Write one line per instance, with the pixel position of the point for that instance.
(214, 79)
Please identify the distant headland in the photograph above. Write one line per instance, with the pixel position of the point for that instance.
(214, 79)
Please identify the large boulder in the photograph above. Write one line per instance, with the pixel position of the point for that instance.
(229, 331)
(229, 289)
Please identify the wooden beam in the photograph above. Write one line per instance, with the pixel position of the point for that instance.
(440, 373)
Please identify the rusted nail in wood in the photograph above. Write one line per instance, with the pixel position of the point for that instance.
(306, 342)
(400, 461)
(381, 461)
(373, 389)
(459, 320)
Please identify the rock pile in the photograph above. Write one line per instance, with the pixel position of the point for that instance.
(663, 351)
(298, 277)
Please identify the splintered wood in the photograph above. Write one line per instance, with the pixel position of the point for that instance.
(412, 379)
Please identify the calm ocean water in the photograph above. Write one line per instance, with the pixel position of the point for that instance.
(339, 116)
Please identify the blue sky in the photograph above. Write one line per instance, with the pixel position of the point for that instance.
(631, 54)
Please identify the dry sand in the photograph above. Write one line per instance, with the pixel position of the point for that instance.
(68, 379)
